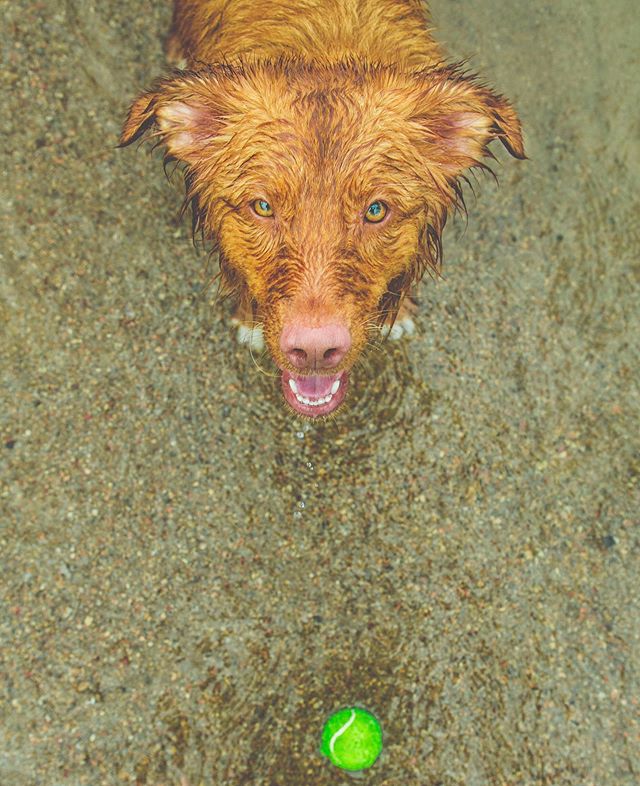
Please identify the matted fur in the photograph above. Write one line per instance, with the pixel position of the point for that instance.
(320, 107)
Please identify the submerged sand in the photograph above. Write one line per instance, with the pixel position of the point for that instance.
(191, 580)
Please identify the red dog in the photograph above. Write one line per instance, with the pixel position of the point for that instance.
(323, 142)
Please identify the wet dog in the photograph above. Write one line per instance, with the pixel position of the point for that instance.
(324, 142)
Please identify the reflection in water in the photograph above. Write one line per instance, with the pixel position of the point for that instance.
(382, 396)
(385, 398)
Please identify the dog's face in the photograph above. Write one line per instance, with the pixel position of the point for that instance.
(326, 190)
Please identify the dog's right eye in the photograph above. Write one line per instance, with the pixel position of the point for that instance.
(262, 208)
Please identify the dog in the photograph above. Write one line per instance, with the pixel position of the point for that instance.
(324, 142)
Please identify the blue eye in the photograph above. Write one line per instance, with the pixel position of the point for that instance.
(262, 208)
(375, 212)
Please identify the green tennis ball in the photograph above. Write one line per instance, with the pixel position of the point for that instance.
(352, 739)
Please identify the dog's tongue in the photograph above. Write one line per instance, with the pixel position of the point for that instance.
(315, 395)
(314, 387)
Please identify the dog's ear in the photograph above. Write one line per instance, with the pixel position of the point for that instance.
(183, 112)
(461, 117)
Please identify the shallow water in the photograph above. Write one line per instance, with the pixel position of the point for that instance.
(192, 580)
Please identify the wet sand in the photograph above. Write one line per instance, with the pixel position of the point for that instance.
(192, 581)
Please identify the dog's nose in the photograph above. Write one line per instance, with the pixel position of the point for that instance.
(315, 347)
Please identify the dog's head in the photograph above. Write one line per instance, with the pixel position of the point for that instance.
(325, 189)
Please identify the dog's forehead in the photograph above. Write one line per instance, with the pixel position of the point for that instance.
(330, 122)
(337, 139)
(372, 98)
(321, 96)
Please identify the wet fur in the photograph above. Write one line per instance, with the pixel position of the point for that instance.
(320, 107)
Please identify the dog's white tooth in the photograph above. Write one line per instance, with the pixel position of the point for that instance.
(334, 387)
(293, 386)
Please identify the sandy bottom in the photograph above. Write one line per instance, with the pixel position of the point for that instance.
(191, 580)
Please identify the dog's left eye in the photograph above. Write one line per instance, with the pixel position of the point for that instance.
(375, 212)
(262, 208)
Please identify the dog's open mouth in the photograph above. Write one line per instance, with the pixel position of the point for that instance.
(314, 395)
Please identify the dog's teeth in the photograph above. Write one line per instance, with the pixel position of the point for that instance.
(293, 386)
(335, 386)
(315, 403)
